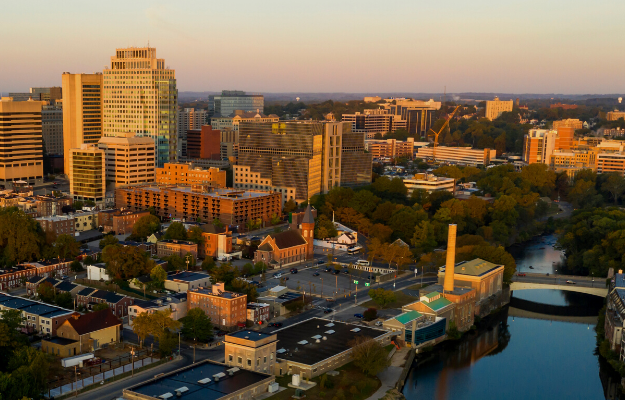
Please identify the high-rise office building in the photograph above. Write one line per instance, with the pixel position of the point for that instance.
(203, 143)
(189, 119)
(129, 159)
(231, 100)
(49, 94)
(300, 159)
(371, 122)
(140, 96)
(496, 107)
(52, 129)
(539, 145)
(87, 179)
(82, 111)
(415, 116)
(21, 149)
(566, 132)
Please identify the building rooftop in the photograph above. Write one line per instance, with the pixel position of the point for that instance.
(476, 267)
(290, 238)
(32, 307)
(199, 381)
(619, 280)
(458, 290)
(438, 304)
(175, 241)
(337, 336)
(60, 340)
(235, 194)
(93, 321)
(187, 276)
(408, 316)
(250, 335)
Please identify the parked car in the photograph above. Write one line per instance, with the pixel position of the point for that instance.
(345, 271)
(328, 269)
(320, 262)
(276, 324)
(316, 274)
(521, 274)
(277, 275)
(571, 282)
(378, 323)
(359, 316)
(293, 270)
(327, 310)
(337, 271)
(330, 299)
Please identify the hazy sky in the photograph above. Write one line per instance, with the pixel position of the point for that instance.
(546, 46)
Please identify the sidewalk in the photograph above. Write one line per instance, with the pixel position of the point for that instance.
(389, 376)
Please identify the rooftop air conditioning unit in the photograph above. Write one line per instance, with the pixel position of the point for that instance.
(231, 371)
(181, 390)
(218, 376)
(204, 381)
(166, 396)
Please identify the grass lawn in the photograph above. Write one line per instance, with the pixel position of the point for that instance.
(401, 299)
(418, 286)
(350, 383)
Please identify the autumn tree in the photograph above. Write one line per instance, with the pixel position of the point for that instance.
(107, 240)
(46, 292)
(126, 262)
(67, 247)
(158, 275)
(369, 355)
(144, 227)
(382, 297)
(197, 325)
(20, 236)
(176, 231)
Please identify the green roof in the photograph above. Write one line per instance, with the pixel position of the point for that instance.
(476, 267)
(433, 294)
(438, 304)
(408, 316)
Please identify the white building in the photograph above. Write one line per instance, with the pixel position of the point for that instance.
(430, 183)
(97, 272)
(176, 303)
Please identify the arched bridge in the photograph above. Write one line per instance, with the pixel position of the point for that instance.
(580, 286)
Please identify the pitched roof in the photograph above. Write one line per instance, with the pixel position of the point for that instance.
(109, 297)
(476, 267)
(265, 247)
(290, 238)
(86, 291)
(34, 279)
(308, 216)
(65, 286)
(211, 228)
(408, 316)
(94, 321)
(438, 304)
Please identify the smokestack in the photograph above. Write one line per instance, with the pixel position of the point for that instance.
(448, 284)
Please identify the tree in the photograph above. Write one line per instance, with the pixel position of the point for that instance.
(615, 185)
(369, 355)
(424, 239)
(46, 292)
(161, 321)
(381, 232)
(208, 264)
(141, 326)
(195, 235)
(76, 266)
(289, 206)
(78, 205)
(124, 263)
(217, 222)
(370, 314)
(382, 297)
(364, 202)
(67, 247)
(100, 307)
(108, 240)
(176, 231)
(158, 276)
(196, 325)
(175, 262)
(64, 300)
(324, 228)
(540, 177)
(583, 194)
(275, 219)
(19, 236)
(88, 260)
(167, 342)
(144, 227)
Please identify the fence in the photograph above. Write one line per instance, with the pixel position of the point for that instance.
(107, 370)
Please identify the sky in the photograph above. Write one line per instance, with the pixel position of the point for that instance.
(546, 46)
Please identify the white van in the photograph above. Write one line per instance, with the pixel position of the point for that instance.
(363, 263)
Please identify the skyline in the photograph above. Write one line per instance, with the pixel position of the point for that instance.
(363, 47)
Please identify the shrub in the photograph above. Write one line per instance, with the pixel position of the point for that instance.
(370, 314)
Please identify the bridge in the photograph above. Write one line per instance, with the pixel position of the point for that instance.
(583, 284)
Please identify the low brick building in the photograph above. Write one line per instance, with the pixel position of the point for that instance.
(38, 317)
(120, 222)
(119, 304)
(167, 247)
(258, 313)
(12, 277)
(216, 241)
(60, 224)
(225, 309)
(251, 350)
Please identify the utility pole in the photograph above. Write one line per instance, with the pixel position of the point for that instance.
(336, 277)
(322, 288)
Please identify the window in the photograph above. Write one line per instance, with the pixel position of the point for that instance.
(249, 362)
(230, 357)
(240, 360)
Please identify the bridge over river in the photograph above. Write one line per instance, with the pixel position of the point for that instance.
(583, 284)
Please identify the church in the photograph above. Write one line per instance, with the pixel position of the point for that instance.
(289, 247)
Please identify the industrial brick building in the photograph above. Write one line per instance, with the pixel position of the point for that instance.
(225, 309)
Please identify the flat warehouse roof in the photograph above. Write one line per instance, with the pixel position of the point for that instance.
(338, 336)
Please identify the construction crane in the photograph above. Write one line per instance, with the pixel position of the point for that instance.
(436, 134)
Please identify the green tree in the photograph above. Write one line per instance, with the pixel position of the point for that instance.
(100, 307)
(540, 177)
(144, 227)
(158, 276)
(382, 297)
(324, 228)
(175, 262)
(67, 247)
(275, 219)
(20, 236)
(196, 325)
(615, 185)
(167, 343)
(176, 231)
(217, 222)
(124, 263)
(369, 355)
(364, 202)
(424, 239)
(142, 327)
(289, 206)
(225, 273)
(195, 235)
(208, 264)
(108, 240)
(46, 292)
(78, 205)
(64, 300)
(76, 266)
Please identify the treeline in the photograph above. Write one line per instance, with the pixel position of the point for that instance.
(383, 211)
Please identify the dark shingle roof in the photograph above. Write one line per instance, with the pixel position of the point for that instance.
(107, 296)
(86, 291)
(65, 286)
(308, 216)
(290, 238)
(94, 321)
(34, 279)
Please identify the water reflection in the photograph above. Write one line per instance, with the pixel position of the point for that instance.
(517, 358)
(538, 253)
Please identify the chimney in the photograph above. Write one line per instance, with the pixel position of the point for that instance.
(448, 284)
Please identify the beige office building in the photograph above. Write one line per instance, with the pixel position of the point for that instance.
(86, 173)
(21, 144)
(615, 115)
(458, 155)
(129, 159)
(496, 107)
(186, 174)
(140, 96)
(82, 111)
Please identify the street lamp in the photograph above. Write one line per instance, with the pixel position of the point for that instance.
(132, 359)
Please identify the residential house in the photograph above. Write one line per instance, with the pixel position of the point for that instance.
(176, 303)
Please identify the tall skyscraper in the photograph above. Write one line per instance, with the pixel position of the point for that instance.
(189, 119)
(415, 116)
(300, 159)
(21, 152)
(86, 173)
(52, 129)
(82, 111)
(129, 159)
(140, 97)
(231, 100)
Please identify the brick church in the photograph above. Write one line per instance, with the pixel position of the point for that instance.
(288, 247)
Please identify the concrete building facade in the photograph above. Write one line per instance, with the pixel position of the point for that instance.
(52, 129)
(187, 174)
(225, 309)
(87, 177)
(130, 159)
(458, 155)
(496, 107)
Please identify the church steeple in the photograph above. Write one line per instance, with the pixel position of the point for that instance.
(308, 231)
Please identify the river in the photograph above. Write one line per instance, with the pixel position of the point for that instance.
(511, 357)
